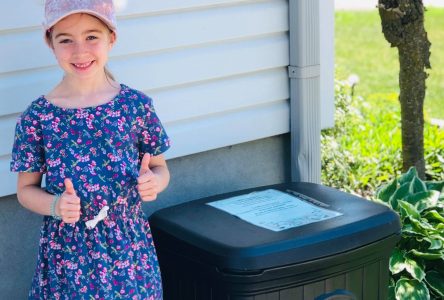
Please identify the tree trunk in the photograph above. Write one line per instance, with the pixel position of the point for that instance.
(403, 27)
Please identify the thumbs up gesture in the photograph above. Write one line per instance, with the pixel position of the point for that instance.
(147, 182)
(68, 207)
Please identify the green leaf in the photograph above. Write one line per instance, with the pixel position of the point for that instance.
(408, 210)
(407, 289)
(408, 177)
(423, 200)
(435, 281)
(434, 215)
(422, 226)
(415, 198)
(417, 186)
(386, 191)
(427, 256)
(396, 263)
(435, 243)
(414, 269)
(400, 193)
(408, 229)
(435, 185)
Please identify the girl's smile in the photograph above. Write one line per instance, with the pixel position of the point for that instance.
(83, 65)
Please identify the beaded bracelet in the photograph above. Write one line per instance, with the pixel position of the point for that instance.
(53, 205)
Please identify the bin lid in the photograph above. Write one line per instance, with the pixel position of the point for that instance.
(208, 234)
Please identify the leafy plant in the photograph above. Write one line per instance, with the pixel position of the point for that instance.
(363, 150)
(417, 262)
(351, 162)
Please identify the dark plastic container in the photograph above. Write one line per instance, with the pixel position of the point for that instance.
(208, 254)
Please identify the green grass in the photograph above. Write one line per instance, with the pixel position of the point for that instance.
(361, 49)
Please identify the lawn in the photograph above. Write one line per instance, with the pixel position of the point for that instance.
(361, 49)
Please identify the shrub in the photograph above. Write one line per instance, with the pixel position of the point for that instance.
(417, 262)
(363, 150)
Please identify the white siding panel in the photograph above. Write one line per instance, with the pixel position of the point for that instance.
(18, 14)
(155, 34)
(191, 28)
(203, 63)
(226, 94)
(21, 14)
(19, 89)
(228, 129)
(146, 7)
(168, 69)
(29, 46)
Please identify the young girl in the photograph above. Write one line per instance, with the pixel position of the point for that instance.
(100, 145)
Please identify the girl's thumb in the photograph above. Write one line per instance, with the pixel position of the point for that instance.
(145, 165)
(69, 187)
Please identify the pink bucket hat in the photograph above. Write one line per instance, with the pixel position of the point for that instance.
(55, 10)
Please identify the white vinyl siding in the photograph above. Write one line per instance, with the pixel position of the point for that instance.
(215, 69)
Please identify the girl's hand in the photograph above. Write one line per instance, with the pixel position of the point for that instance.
(68, 206)
(148, 182)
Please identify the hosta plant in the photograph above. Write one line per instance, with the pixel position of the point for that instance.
(417, 262)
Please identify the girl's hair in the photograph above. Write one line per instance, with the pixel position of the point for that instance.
(109, 76)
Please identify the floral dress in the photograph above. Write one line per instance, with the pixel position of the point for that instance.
(100, 149)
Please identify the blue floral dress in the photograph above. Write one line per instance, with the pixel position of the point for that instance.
(100, 149)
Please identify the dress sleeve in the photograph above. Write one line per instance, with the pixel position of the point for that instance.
(152, 138)
(28, 153)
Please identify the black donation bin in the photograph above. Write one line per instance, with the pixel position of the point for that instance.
(282, 242)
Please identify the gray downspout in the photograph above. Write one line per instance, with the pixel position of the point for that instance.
(304, 73)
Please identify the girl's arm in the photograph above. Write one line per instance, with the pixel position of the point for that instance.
(33, 197)
(154, 177)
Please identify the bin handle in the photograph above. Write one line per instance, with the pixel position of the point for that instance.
(331, 295)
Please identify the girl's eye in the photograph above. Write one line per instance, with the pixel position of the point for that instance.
(65, 41)
(91, 37)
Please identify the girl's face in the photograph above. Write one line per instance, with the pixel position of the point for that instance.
(81, 44)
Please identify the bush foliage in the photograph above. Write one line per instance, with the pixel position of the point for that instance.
(417, 262)
(363, 150)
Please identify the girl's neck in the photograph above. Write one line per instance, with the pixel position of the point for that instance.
(74, 93)
(84, 87)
